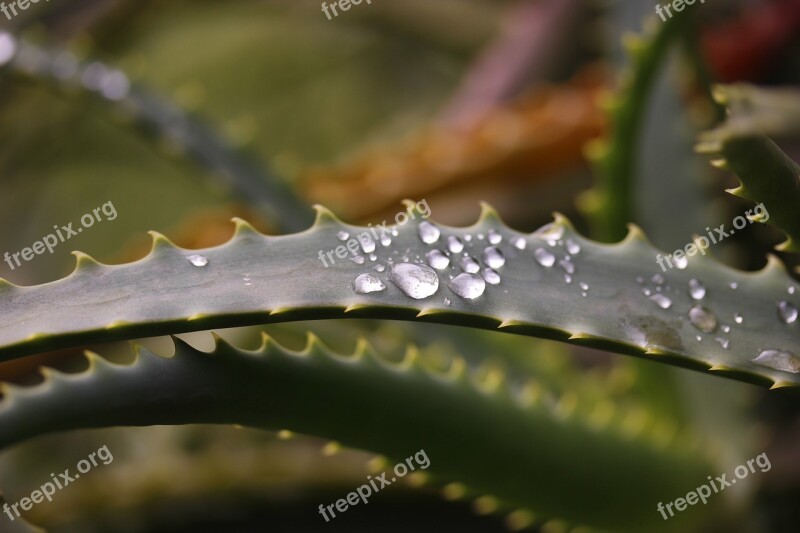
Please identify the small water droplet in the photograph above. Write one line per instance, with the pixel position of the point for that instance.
(480, 236)
(491, 276)
(726, 328)
(567, 265)
(646, 291)
(198, 260)
(437, 259)
(573, 247)
(703, 319)
(698, 338)
(447, 301)
(416, 281)
(343, 235)
(544, 257)
(734, 285)
(357, 259)
(568, 278)
(493, 258)
(428, 232)
(379, 268)
(787, 311)
(386, 241)
(367, 283)
(468, 238)
(696, 289)
(660, 300)
(519, 243)
(454, 244)
(791, 289)
(723, 342)
(494, 237)
(367, 243)
(470, 265)
(468, 286)
(779, 360)
(681, 262)
(658, 279)
(395, 232)
(583, 285)
(373, 257)
(738, 318)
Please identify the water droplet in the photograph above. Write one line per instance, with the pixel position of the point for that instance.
(787, 311)
(395, 232)
(681, 262)
(567, 278)
(491, 276)
(480, 236)
(386, 241)
(519, 243)
(696, 289)
(550, 232)
(646, 291)
(703, 319)
(723, 342)
(493, 258)
(470, 265)
(437, 259)
(658, 279)
(698, 338)
(454, 244)
(544, 257)
(447, 301)
(573, 247)
(428, 232)
(373, 257)
(583, 285)
(467, 238)
(779, 360)
(8, 47)
(738, 318)
(416, 281)
(367, 283)
(343, 235)
(734, 285)
(468, 286)
(494, 237)
(367, 244)
(567, 265)
(791, 289)
(198, 260)
(660, 300)
(379, 268)
(726, 328)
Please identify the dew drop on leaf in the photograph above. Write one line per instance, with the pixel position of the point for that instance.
(470, 265)
(738, 318)
(468, 286)
(428, 232)
(544, 257)
(573, 247)
(491, 276)
(437, 259)
(696, 289)
(703, 319)
(367, 283)
(660, 300)
(416, 281)
(494, 237)
(493, 258)
(658, 279)
(386, 241)
(567, 265)
(343, 235)
(367, 244)
(779, 360)
(198, 260)
(681, 262)
(787, 311)
(519, 243)
(454, 244)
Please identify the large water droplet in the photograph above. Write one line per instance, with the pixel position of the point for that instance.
(470, 265)
(454, 244)
(198, 260)
(544, 257)
(468, 286)
(787, 311)
(428, 232)
(367, 283)
(696, 289)
(519, 243)
(493, 258)
(438, 260)
(779, 360)
(573, 247)
(343, 235)
(494, 237)
(491, 276)
(660, 300)
(703, 319)
(416, 281)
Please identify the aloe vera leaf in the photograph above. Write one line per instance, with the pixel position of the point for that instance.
(550, 455)
(767, 175)
(257, 279)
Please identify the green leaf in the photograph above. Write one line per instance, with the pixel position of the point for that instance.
(554, 456)
(597, 298)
